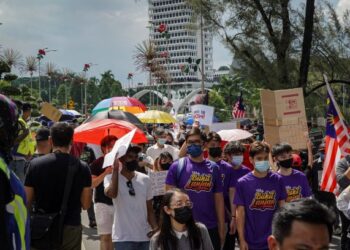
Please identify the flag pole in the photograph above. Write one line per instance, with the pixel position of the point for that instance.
(330, 92)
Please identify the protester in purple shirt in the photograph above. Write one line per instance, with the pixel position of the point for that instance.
(226, 170)
(258, 196)
(202, 181)
(295, 182)
(233, 153)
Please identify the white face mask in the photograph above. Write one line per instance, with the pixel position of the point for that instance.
(237, 160)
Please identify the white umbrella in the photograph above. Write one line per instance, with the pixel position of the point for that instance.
(234, 134)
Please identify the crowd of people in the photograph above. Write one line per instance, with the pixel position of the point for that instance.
(217, 195)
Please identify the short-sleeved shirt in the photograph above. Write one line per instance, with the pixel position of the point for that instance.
(260, 197)
(155, 151)
(238, 173)
(201, 181)
(130, 212)
(226, 171)
(296, 185)
(47, 175)
(99, 194)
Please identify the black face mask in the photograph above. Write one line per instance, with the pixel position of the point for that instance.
(286, 163)
(132, 165)
(169, 143)
(183, 214)
(215, 152)
(165, 166)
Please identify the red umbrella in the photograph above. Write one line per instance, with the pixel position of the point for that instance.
(94, 131)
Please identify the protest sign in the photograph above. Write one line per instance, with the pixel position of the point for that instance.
(284, 117)
(203, 114)
(119, 149)
(50, 112)
(158, 182)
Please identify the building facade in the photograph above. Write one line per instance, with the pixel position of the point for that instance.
(184, 42)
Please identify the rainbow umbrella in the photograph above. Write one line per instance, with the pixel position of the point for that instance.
(127, 104)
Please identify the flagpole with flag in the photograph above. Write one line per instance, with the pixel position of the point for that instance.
(238, 110)
(337, 142)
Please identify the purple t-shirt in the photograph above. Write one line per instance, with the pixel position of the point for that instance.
(226, 171)
(260, 197)
(296, 185)
(237, 174)
(201, 181)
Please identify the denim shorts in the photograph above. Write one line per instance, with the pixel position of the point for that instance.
(129, 245)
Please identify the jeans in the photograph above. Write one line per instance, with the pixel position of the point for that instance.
(17, 166)
(345, 222)
(129, 245)
(215, 238)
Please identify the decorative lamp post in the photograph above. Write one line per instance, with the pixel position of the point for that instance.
(40, 56)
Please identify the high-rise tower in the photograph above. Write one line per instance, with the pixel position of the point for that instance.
(184, 42)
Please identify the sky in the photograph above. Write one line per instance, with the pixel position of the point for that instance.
(102, 32)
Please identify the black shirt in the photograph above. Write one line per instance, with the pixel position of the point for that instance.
(47, 175)
(96, 169)
(6, 195)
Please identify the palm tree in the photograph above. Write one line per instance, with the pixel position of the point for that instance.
(146, 61)
(50, 70)
(68, 74)
(31, 66)
(12, 58)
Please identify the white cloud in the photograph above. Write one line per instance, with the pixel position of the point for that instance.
(342, 6)
(104, 32)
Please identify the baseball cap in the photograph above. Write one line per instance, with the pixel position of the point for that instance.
(42, 134)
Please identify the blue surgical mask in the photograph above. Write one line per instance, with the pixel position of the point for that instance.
(262, 166)
(194, 150)
(161, 141)
(237, 160)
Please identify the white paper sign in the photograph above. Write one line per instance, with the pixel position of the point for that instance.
(203, 113)
(158, 182)
(119, 149)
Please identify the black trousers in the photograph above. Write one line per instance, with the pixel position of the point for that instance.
(230, 240)
(345, 223)
(215, 238)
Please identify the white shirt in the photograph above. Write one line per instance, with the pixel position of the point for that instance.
(130, 212)
(155, 151)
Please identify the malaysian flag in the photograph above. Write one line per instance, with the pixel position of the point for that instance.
(337, 143)
(238, 110)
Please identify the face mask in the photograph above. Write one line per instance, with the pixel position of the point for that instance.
(168, 143)
(262, 166)
(286, 163)
(183, 214)
(237, 160)
(194, 150)
(131, 165)
(165, 166)
(215, 152)
(161, 141)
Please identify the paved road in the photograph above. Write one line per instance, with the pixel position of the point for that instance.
(91, 239)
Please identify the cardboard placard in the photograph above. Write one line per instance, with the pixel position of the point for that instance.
(158, 182)
(284, 117)
(50, 112)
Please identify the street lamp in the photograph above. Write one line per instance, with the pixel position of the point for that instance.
(40, 56)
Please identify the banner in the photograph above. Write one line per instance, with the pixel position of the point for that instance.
(203, 114)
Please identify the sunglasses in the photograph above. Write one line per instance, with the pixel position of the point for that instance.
(131, 188)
